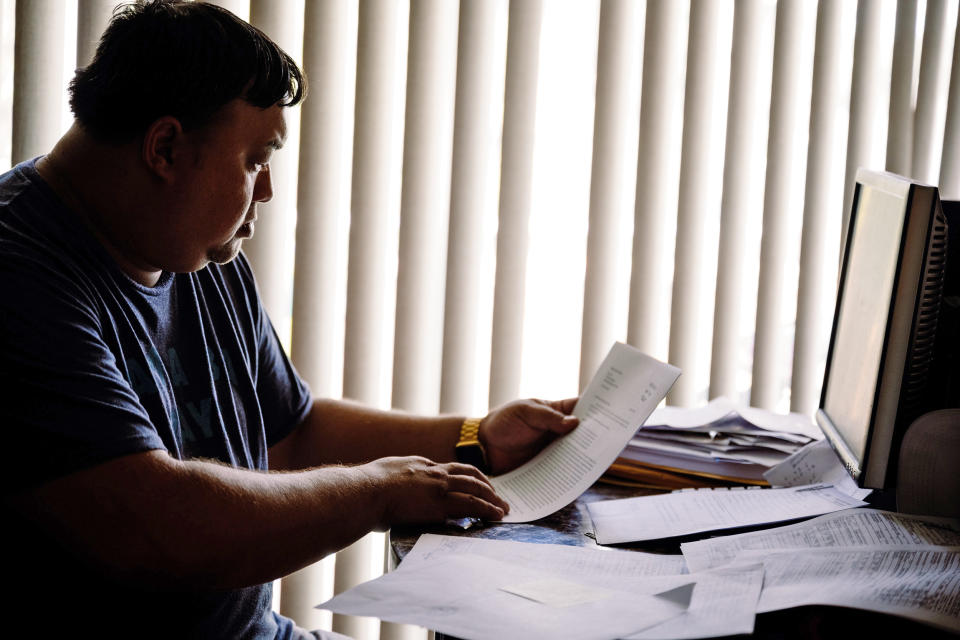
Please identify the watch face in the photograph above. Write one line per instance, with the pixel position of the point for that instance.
(471, 453)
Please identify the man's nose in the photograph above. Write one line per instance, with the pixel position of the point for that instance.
(263, 188)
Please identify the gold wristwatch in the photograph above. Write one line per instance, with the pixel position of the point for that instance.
(469, 449)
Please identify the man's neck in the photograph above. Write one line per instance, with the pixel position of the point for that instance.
(84, 176)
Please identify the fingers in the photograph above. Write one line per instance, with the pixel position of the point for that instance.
(564, 406)
(550, 416)
(463, 505)
(470, 486)
(421, 490)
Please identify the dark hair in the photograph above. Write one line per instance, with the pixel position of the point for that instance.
(182, 59)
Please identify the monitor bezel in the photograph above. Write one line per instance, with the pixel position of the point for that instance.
(895, 347)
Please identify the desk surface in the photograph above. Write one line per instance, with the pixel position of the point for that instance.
(570, 525)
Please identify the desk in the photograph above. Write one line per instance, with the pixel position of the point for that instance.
(569, 526)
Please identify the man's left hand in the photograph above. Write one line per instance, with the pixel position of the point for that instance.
(515, 432)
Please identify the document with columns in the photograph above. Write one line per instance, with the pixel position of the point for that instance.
(623, 393)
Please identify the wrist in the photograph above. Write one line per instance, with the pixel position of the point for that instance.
(372, 487)
(469, 448)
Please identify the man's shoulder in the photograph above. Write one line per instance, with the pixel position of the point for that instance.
(14, 182)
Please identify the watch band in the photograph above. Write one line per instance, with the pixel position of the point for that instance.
(469, 449)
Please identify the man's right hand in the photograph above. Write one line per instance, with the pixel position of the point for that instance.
(416, 490)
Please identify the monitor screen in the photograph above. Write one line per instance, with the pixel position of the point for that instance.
(881, 346)
(863, 314)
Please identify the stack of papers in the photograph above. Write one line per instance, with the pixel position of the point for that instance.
(722, 440)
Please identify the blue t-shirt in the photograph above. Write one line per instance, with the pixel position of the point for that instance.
(93, 366)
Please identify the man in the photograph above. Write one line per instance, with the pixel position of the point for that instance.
(146, 394)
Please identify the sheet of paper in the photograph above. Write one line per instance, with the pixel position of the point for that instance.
(814, 464)
(576, 562)
(686, 512)
(920, 583)
(621, 395)
(557, 592)
(723, 601)
(464, 595)
(721, 408)
(849, 528)
(707, 452)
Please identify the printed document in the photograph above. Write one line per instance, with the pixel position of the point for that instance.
(920, 583)
(620, 397)
(723, 602)
(477, 597)
(816, 463)
(686, 512)
(850, 528)
(741, 418)
(569, 561)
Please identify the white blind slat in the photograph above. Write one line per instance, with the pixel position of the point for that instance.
(271, 249)
(903, 92)
(320, 271)
(823, 200)
(783, 200)
(92, 18)
(425, 205)
(371, 279)
(742, 204)
(516, 181)
(698, 213)
(658, 174)
(425, 199)
(38, 82)
(934, 85)
(613, 176)
(950, 166)
(869, 94)
(481, 65)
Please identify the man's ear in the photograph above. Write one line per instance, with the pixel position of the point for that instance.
(160, 146)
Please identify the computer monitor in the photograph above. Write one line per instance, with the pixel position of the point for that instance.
(884, 364)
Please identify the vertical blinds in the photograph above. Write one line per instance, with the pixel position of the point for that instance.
(394, 255)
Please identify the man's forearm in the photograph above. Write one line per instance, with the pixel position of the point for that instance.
(203, 524)
(149, 519)
(343, 432)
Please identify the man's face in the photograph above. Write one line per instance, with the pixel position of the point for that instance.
(229, 175)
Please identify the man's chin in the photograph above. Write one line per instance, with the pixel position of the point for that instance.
(225, 253)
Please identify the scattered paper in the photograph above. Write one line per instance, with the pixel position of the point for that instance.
(464, 595)
(556, 592)
(753, 420)
(723, 601)
(920, 583)
(848, 529)
(815, 463)
(686, 512)
(620, 397)
(572, 562)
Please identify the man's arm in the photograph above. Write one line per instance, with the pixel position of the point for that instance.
(151, 519)
(343, 432)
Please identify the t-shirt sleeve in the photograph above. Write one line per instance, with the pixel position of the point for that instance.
(285, 398)
(66, 405)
